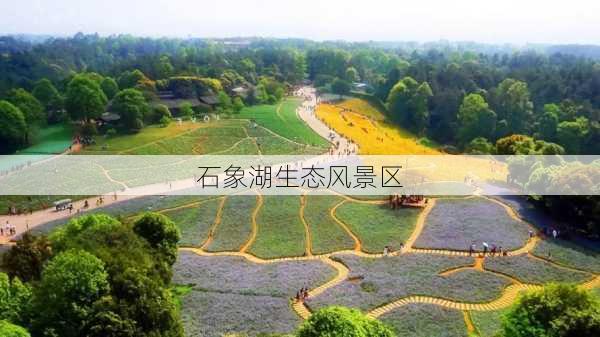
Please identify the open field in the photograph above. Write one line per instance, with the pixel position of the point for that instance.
(530, 270)
(373, 136)
(377, 225)
(374, 282)
(195, 222)
(283, 120)
(326, 234)
(235, 225)
(280, 231)
(458, 223)
(488, 323)
(279, 131)
(426, 320)
(568, 254)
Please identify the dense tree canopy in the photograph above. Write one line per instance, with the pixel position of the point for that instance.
(342, 322)
(131, 105)
(557, 310)
(85, 99)
(13, 129)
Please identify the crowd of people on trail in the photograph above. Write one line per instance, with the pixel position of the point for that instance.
(301, 295)
(8, 229)
(488, 249)
(396, 201)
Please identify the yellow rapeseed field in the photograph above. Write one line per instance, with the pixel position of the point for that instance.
(375, 136)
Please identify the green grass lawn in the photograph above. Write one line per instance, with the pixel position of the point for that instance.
(531, 270)
(236, 224)
(325, 233)
(283, 120)
(488, 323)
(194, 222)
(426, 320)
(568, 254)
(280, 231)
(378, 226)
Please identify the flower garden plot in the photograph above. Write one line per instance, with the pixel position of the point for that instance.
(455, 224)
(362, 107)
(195, 222)
(426, 320)
(488, 323)
(532, 270)
(236, 224)
(369, 134)
(246, 146)
(378, 226)
(212, 314)
(280, 231)
(326, 234)
(234, 274)
(374, 282)
(283, 120)
(568, 254)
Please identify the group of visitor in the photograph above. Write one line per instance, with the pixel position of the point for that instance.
(301, 295)
(387, 250)
(487, 249)
(8, 229)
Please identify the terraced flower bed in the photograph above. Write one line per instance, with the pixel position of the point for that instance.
(194, 222)
(374, 282)
(212, 314)
(488, 323)
(236, 224)
(280, 231)
(378, 226)
(325, 233)
(532, 270)
(232, 274)
(456, 224)
(568, 254)
(426, 320)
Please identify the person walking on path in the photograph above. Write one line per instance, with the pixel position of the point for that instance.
(485, 248)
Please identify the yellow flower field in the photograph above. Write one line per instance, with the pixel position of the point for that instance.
(374, 136)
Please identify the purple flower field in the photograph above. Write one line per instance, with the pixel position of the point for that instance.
(211, 314)
(426, 320)
(375, 282)
(235, 274)
(531, 270)
(458, 223)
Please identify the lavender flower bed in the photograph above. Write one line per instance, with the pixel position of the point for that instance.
(232, 274)
(195, 222)
(373, 282)
(236, 224)
(531, 270)
(210, 314)
(488, 323)
(568, 254)
(426, 320)
(458, 223)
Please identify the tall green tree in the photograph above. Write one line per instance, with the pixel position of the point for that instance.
(556, 310)
(572, 134)
(85, 99)
(15, 298)
(64, 298)
(32, 109)
(13, 129)
(109, 87)
(49, 97)
(548, 122)
(131, 105)
(475, 118)
(514, 104)
(26, 259)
